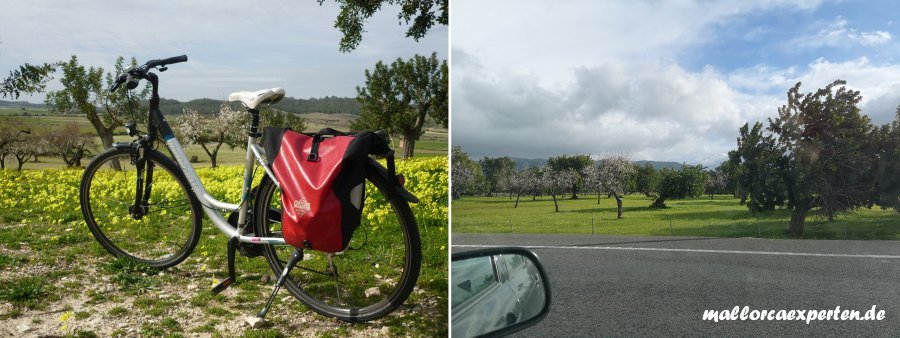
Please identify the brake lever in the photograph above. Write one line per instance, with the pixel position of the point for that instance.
(119, 81)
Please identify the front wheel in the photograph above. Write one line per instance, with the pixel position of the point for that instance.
(161, 230)
(368, 280)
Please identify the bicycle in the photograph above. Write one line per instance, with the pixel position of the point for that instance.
(141, 205)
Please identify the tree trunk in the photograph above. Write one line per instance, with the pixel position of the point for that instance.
(660, 202)
(555, 204)
(618, 206)
(798, 218)
(598, 197)
(212, 154)
(517, 201)
(69, 161)
(574, 190)
(22, 160)
(409, 143)
(106, 137)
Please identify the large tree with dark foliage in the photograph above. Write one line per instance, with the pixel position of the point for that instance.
(886, 169)
(687, 182)
(400, 97)
(762, 166)
(645, 179)
(829, 151)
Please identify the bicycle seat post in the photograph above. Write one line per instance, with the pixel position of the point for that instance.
(295, 258)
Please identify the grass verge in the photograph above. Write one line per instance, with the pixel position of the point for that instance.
(721, 216)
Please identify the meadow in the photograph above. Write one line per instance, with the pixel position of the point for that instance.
(720, 216)
(55, 279)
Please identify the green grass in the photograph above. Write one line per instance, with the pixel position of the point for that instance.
(722, 216)
(27, 291)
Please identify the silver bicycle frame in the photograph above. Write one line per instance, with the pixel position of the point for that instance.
(213, 207)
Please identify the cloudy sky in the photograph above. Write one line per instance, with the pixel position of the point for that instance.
(660, 80)
(231, 45)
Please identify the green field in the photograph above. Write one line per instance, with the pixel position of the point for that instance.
(718, 217)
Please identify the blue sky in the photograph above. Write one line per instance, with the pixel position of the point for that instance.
(231, 45)
(659, 80)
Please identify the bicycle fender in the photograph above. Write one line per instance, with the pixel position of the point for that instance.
(380, 170)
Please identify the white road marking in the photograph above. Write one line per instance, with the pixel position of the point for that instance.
(626, 248)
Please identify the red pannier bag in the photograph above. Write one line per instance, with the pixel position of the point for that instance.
(322, 178)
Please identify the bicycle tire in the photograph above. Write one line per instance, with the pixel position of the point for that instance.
(157, 239)
(309, 288)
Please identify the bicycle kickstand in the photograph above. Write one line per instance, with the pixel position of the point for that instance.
(295, 258)
(232, 247)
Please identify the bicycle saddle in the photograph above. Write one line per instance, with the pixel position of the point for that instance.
(252, 100)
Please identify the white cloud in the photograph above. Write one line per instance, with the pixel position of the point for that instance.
(653, 111)
(838, 34)
(879, 84)
(548, 39)
(656, 111)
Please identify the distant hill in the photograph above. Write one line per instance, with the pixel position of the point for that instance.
(540, 162)
(24, 104)
(327, 105)
(661, 165)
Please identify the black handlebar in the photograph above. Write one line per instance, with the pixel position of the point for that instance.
(163, 62)
(134, 75)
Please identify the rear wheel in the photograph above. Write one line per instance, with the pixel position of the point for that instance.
(368, 280)
(160, 233)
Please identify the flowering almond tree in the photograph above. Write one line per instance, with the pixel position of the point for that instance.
(609, 175)
(226, 127)
(557, 181)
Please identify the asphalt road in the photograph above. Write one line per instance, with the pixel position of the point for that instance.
(660, 286)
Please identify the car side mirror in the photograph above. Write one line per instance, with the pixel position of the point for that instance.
(497, 291)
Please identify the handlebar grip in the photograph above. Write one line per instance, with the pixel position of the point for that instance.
(174, 59)
(163, 62)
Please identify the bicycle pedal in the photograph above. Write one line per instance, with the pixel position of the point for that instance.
(222, 286)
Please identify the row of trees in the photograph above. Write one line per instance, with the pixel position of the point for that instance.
(819, 152)
(24, 144)
(613, 176)
(328, 105)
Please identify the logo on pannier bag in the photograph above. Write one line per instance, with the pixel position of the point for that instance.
(301, 206)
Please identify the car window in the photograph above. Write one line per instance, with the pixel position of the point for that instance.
(514, 263)
(471, 277)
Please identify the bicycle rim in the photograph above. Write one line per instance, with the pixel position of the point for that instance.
(374, 275)
(164, 235)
